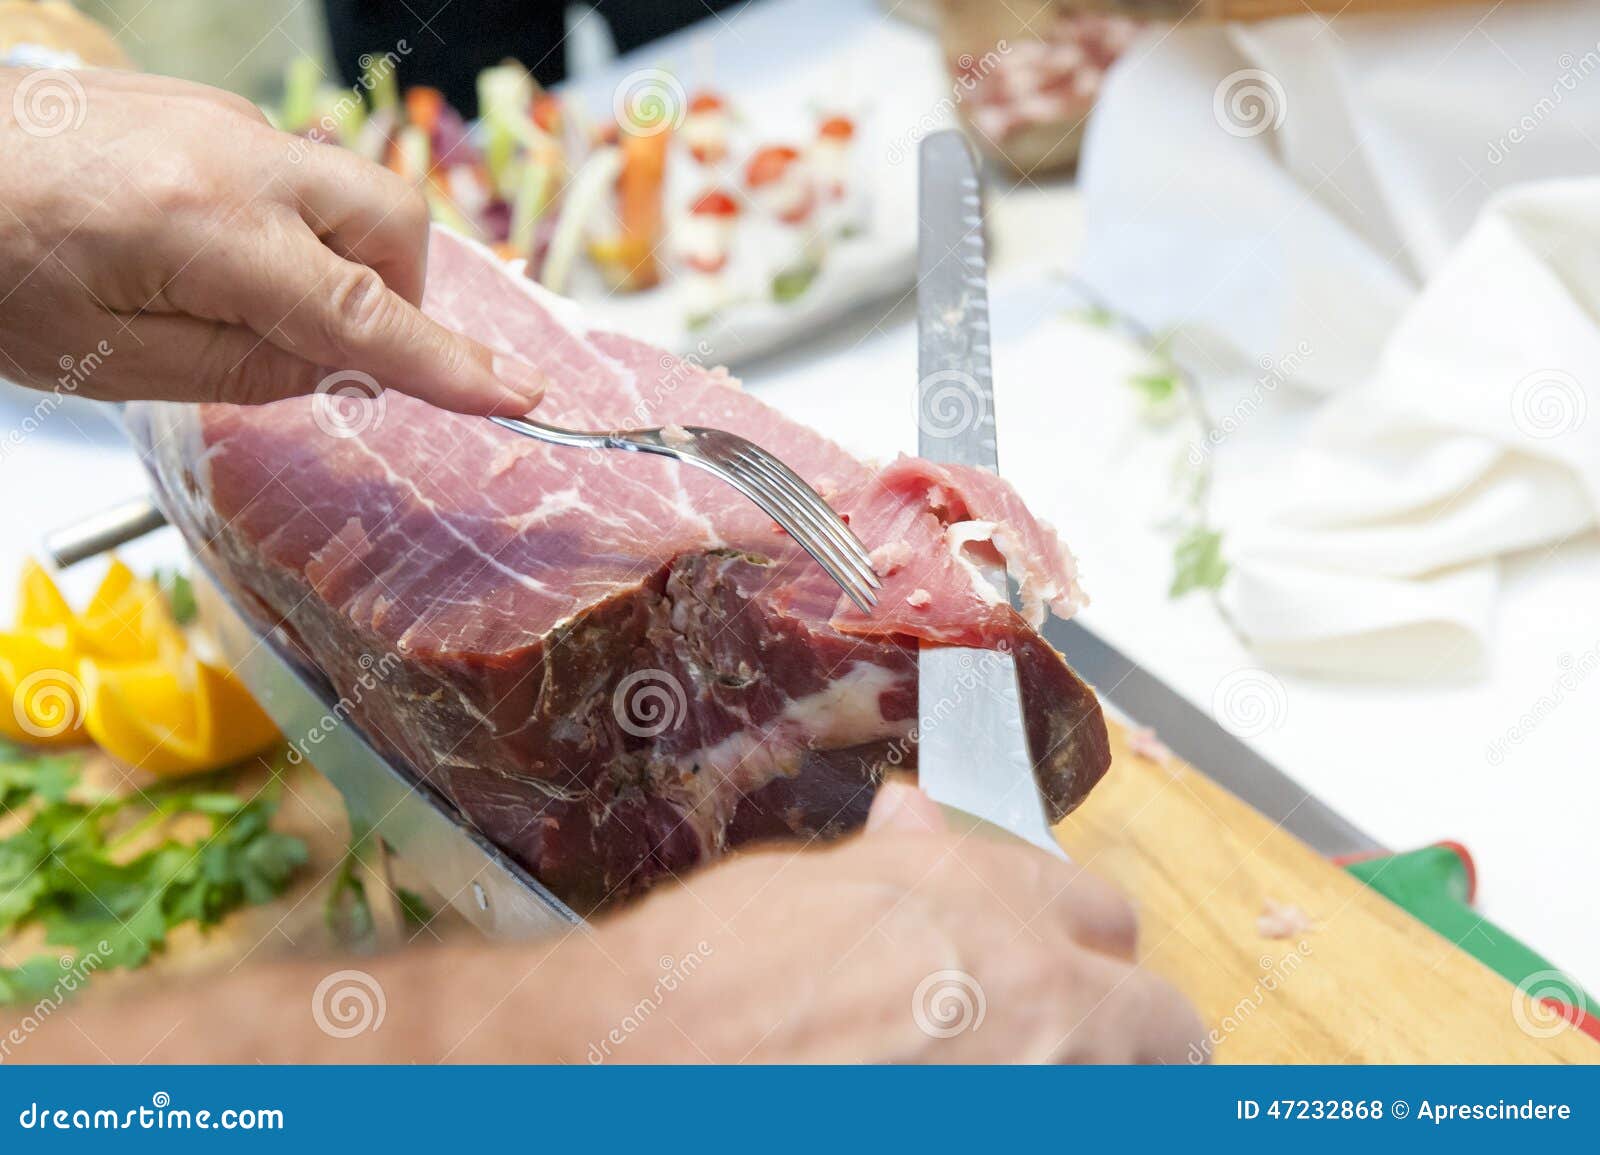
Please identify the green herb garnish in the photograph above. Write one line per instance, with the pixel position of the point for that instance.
(792, 283)
(76, 870)
(179, 592)
(1197, 562)
(418, 913)
(347, 910)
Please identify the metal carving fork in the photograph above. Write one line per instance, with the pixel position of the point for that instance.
(772, 485)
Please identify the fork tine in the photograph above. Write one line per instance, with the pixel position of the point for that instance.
(823, 520)
(783, 510)
(763, 479)
(797, 485)
(819, 511)
(777, 506)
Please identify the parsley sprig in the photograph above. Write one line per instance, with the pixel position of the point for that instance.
(1166, 391)
(106, 875)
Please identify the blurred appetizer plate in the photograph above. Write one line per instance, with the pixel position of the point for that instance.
(781, 88)
(1033, 70)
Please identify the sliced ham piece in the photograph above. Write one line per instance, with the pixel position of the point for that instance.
(615, 666)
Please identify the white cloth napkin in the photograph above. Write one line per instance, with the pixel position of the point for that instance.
(1360, 234)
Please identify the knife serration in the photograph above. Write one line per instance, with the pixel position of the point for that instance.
(972, 747)
(955, 388)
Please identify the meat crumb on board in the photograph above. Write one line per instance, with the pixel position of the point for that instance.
(1282, 920)
(1143, 743)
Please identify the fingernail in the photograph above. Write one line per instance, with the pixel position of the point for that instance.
(520, 377)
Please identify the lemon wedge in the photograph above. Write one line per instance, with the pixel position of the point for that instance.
(120, 674)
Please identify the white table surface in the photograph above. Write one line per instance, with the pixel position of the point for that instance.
(1407, 762)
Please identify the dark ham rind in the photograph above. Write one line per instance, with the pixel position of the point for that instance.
(616, 668)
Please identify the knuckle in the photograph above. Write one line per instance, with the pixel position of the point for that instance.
(453, 356)
(235, 367)
(1094, 1003)
(1165, 1027)
(230, 377)
(1101, 916)
(233, 102)
(1130, 1016)
(412, 213)
(360, 308)
(259, 378)
(1117, 927)
(175, 182)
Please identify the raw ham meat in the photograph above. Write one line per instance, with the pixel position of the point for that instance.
(1029, 95)
(615, 666)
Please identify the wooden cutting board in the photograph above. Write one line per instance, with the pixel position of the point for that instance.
(1366, 983)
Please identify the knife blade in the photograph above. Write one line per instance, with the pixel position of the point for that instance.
(972, 748)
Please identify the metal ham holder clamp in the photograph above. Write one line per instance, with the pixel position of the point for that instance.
(494, 892)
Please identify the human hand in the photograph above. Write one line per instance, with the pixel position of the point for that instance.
(161, 241)
(906, 943)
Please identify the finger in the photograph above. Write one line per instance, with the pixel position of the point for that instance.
(1046, 893)
(173, 89)
(330, 311)
(175, 358)
(1138, 1019)
(900, 808)
(1099, 915)
(365, 213)
(1158, 1024)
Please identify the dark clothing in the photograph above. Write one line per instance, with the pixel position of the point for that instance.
(450, 41)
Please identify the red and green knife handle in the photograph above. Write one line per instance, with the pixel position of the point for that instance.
(1436, 885)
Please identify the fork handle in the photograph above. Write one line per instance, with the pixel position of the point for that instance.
(572, 437)
(635, 440)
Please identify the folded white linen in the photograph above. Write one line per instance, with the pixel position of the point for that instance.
(1386, 196)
